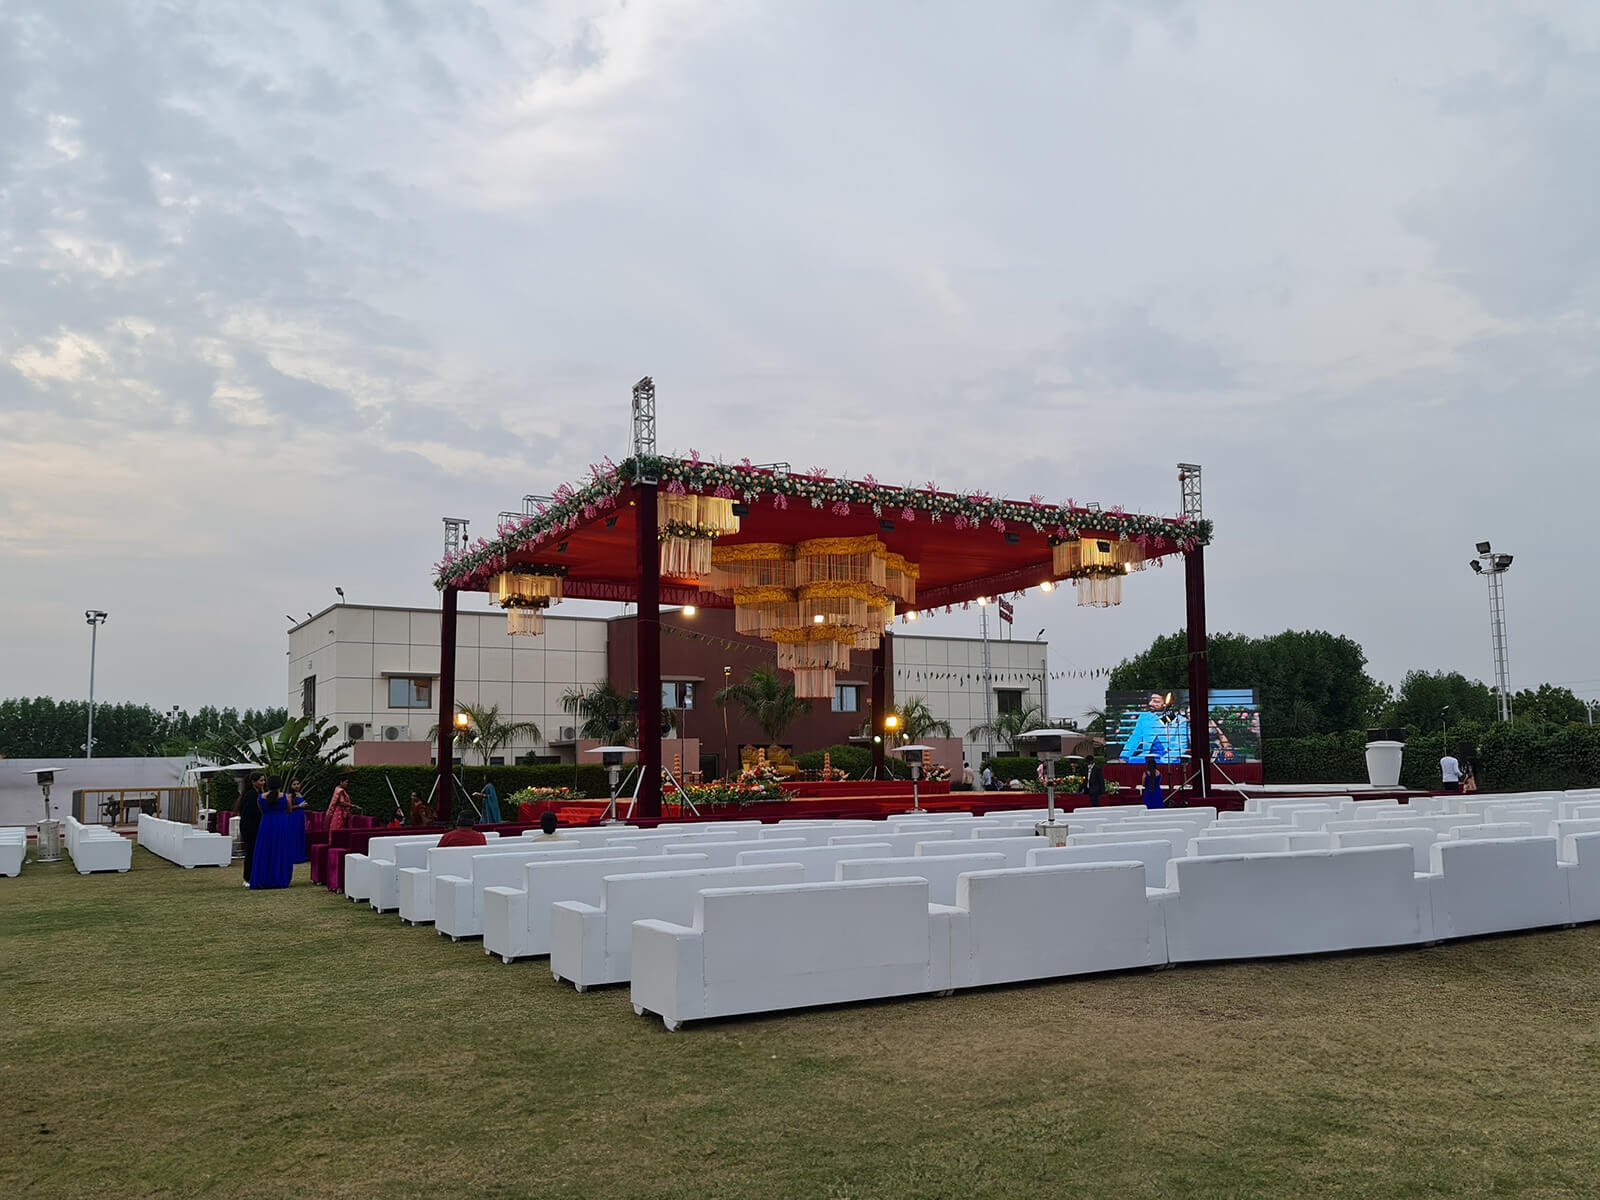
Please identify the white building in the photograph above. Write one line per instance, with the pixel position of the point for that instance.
(374, 672)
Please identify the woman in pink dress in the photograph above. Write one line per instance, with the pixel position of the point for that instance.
(338, 816)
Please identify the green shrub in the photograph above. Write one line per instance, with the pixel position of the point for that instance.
(854, 761)
(1518, 757)
(369, 793)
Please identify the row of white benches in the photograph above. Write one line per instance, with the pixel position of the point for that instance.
(13, 848)
(95, 848)
(183, 844)
(588, 904)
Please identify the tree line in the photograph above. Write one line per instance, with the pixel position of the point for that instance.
(40, 727)
(1314, 682)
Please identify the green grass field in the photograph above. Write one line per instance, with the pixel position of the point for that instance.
(167, 1032)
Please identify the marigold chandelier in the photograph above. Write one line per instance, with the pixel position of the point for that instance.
(525, 592)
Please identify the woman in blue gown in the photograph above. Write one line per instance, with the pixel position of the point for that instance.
(273, 865)
(297, 815)
(1152, 785)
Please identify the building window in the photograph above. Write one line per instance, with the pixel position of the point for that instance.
(677, 693)
(1008, 700)
(410, 693)
(847, 697)
(308, 696)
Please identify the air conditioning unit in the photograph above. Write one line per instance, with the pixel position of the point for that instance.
(393, 733)
(568, 733)
(355, 731)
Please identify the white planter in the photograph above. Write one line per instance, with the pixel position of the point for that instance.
(1383, 763)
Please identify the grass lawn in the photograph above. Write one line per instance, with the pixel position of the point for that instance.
(167, 1032)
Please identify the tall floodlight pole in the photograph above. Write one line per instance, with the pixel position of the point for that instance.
(1492, 566)
(94, 618)
(1194, 581)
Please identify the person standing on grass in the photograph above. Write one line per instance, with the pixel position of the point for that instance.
(338, 815)
(297, 821)
(273, 863)
(1152, 785)
(249, 817)
(1095, 785)
(1450, 772)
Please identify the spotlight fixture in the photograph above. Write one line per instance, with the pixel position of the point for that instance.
(982, 600)
(1477, 567)
(340, 590)
(818, 619)
(562, 548)
(1012, 538)
(689, 610)
(741, 509)
(886, 525)
(1047, 585)
(611, 521)
(912, 615)
(1483, 547)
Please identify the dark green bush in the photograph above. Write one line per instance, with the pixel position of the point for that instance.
(854, 761)
(1518, 757)
(370, 794)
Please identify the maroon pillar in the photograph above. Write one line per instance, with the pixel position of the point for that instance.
(447, 706)
(882, 701)
(649, 640)
(1194, 578)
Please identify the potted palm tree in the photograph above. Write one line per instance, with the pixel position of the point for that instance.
(768, 701)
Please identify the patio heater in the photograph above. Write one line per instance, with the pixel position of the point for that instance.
(48, 848)
(611, 760)
(915, 756)
(1047, 749)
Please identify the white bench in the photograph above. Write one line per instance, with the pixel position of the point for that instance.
(1500, 829)
(1307, 902)
(96, 848)
(1177, 837)
(516, 916)
(1014, 848)
(1420, 840)
(359, 873)
(1582, 851)
(1564, 828)
(726, 854)
(13, 848)
(183, 844)
(1241, 843)
(817, 862)
(458, 899)
(1536, 814)
(897, 843)
(1493, 886)
(1046, 922)
(940, 870)
(415, 890)
(761, 949)
(1154, 856)
(593, 944)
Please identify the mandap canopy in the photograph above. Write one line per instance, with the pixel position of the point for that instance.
(817, 566)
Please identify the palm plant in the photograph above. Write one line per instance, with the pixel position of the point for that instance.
(1008, 728)
(767, 701)
(917, 721)
(488, 733)
(603, 713)
(303, 749)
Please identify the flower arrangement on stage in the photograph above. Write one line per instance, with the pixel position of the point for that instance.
(473, 564)
(686, 529)
(761, 774)
(937, 773)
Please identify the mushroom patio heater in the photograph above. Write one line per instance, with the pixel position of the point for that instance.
(915, 757)
(611, 758)
(1047, 749)
(48, 848)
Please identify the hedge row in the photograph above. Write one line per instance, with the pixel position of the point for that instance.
(1517, 757)
(369, 793)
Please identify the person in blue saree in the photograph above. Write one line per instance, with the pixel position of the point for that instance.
(1152, 785)
(273, 864)
(297, 817)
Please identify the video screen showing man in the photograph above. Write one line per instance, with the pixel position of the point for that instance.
(1159, 733)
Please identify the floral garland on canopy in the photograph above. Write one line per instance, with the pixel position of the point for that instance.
(470, 567)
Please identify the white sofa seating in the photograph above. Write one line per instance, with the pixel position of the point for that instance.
(1420, 840)
(816, 835)
(359, 873)
(516, 915)
(898, 843)
(1582, 852)
(1046, 922)
(415, 890)
(13, 849)
(681, 834)
(458, 899)
(1500, 829)
(817, 862)
(940, 870)
(1177, 837)
(759, 949)
(593, 944)
(726, 854)
(1014, 848)
(1565, 828)
(1154, 856)
(1492, 886)
(95, 848)
(1536, 814)
(1307, 902)
(1240, 843)
(183, 844)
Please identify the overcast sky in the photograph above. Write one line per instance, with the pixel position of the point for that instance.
(284, 284)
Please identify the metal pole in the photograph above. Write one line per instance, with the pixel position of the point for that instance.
(94, 631)
(447, 703)
(880, 705)
(648, 630)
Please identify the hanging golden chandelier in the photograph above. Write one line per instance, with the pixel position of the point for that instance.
(686, 526)
(525, 591)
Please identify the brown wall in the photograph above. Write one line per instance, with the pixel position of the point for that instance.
(699, 647)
